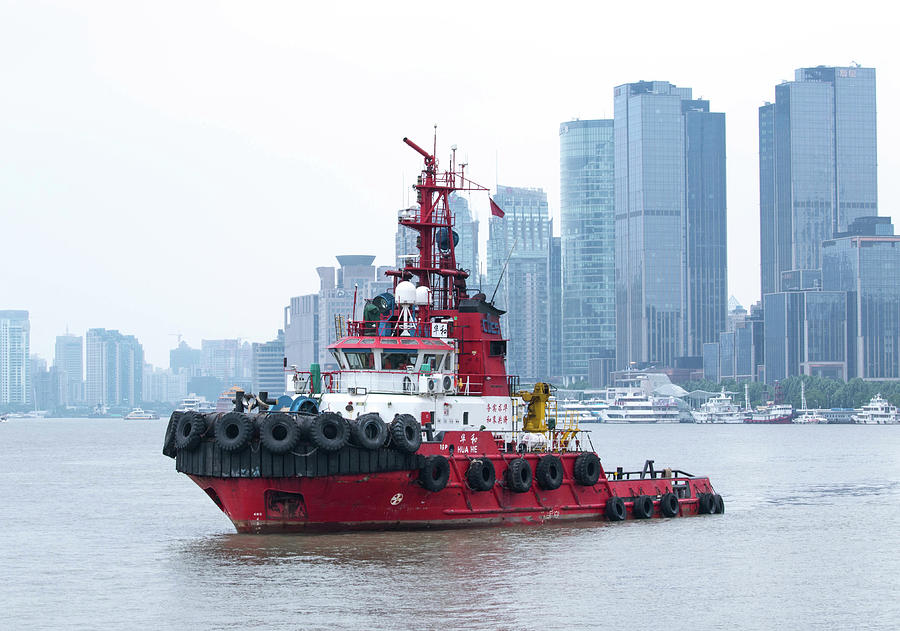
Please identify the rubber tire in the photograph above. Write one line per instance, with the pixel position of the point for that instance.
(668, 505)
(368, 431)
(706, 504)
(549, 472)
(642, 508)
(518, 476)
(435, 473)
(329, 431)
(406, 434)
(587, 469)
(481, 475)
(169, 440)
(234, 431)
(615, 509)
(279, 433)
(189, 431)
(720, 504)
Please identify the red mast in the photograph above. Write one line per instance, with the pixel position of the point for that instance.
(436, 266)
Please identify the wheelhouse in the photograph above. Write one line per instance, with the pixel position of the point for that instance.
(394, 354)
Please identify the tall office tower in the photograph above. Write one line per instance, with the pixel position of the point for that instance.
(670, 224)
(817, 165)
(554, 308)
(185, 359)
(114, 368)
(69, 362)
(356, 275)
(588, 231)
(865, 263)
(15, 364)
(301, 331)
(522, 235)
(268, 366)
(405, 246)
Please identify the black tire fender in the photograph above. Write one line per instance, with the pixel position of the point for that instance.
(435, 473)
(518, 475)
(329, 431)
(278, 432)
(406, 433)
(481, 475)
(706, 504)
(368, 431)
(642, 507)
(668, 505)
(233, 431)
(587, 469)
(549, 472)
(615, 509)
(169, 440)
(719, 504)
(189, 431)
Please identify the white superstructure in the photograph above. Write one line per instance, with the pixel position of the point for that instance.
(719, 409)
(877, 412)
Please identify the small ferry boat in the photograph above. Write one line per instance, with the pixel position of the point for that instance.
(137, 414)
(804, 415)
(719, 409)
(629, 401)
(770, 414)
(196, 403)
(420, 426)
(877, 412)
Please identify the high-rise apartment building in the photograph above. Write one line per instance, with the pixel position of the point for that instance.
(670, 225)
(301, 331)
(817, 165)
(554, 309)
(15, 364)
(222, 359)
(114, 368)
(588, 230)
(523, 236)
(69, 362)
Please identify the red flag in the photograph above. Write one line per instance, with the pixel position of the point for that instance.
(496, 211)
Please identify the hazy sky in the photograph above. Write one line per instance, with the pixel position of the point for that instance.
(182, 167)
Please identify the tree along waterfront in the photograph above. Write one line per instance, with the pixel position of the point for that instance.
(821, 392)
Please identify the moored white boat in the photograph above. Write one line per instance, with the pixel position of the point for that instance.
(878, 412)
(719, 409)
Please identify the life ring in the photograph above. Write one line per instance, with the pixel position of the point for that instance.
(233, 431)
(615, 509)
(587, 469)
(549, 472)
(518, 475)
(668, 505)
(642, 508)
(481, 475)
(435, 473)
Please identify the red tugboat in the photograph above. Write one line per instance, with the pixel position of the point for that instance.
(421, 426)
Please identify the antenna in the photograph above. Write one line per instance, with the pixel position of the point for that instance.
(504, 269)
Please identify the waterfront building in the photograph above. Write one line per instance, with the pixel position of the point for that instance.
(15, 367)
(864, 262)
(817, 165)
(114, 368)
(69, 362)
(670, 224)
(587, 236)
(521, 236)
(268, 366)
(223, 360)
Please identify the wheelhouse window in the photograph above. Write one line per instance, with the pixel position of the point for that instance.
(498, 347)
(434, 361)
(398, 359)
(360, 358)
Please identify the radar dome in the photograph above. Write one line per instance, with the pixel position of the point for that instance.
(405, 293)
(423, 296)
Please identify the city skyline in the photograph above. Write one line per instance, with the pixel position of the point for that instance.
(133, 100)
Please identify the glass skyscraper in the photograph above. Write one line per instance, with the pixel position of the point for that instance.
(523, 235)
(587, 228)
(817, 165)
(865, 263)
(670, 254)
(15, 366)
